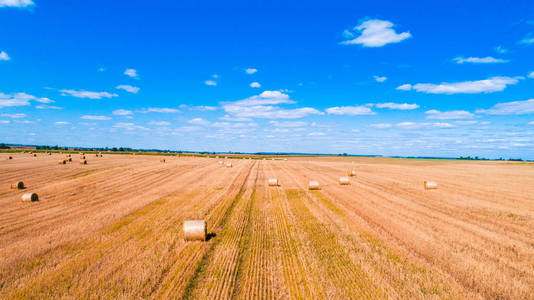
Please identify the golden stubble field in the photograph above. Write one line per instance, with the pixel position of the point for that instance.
(113, 229)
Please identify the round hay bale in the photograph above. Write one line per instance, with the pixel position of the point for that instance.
(19, 185)
(344, 180)
(229, 165)
(9, 157)
(96, 155)
(273, 182)
(83, 162)
(313, 185)
(162, 160)
(352, 173)
(62, 162)
(34, 155)
(195, 230)
(430, 185)
(30, 197)
(221, 162)
(70, 159)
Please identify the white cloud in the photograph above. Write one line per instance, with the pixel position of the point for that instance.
(449, 115)
(289, 124)
(465, 122)
(404, 87)
(16, 3)
(531, 74)
(381, 125)
(375, 33)
(417, 125)
(128, 126)
(490, 85)
(128, 88)
(316, 134)
(5, 121)
(480, 60)
(13, 116)
(255, 85)
(501, 50)
(159, 123)
(215, 76)
(131, 72)
(122, 112)
(399, 106)
(200, 107)
(61, 123)
(251, 70)
(262, 106)
(531, 123)
(15, 99)
(527, 40)
(44, 100)
(199, 121)
(95, 118)
(4, 56)
(87, 94)
(234, 119)
(350, 110)
(510, 108)
(380, 78)
(210, 82)
(163, 110)
(48, 107)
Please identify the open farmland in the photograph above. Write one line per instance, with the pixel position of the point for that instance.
(113, 228)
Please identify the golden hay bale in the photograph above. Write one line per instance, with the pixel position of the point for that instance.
(430, 185)
(273, 182)
(162, 160)
(313, 185)
(62, 162)
(19, 185)
(344, 180)
(35, 155)
(195, 230)
(96, 155)
(352, 173)
(229, 165)
(83, 162)
(221, 162)
(30, 197)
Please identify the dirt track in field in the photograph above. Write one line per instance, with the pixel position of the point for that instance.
(113, 229)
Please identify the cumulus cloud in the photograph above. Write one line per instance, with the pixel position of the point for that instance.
(4, 56)
(374, 33)
(48, 107)
(380, 78)
(95, 118)
(381, 125)
(16, 3)
(132, 73)
(199, 107)
(350, 110)
(210, 82)
(199, 121)
(251, 71)
(255, 85)
(159, 123)
(163, 110)
(399, 106)
(128, 88)
(510, 108)
(289, 124)
(44, 100)
(16, 99)
(128, 126)
(262, 106)
(490, 85)
(87, 94)
(122, 112)
(449, 115)
(61, 123)
(479, 60)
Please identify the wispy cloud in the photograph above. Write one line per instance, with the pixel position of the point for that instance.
(199, 121)
(14, 116)
(210, 82)
(399, 106)
(159, 123)
(122, 112)
(255, 85)
(350, 110)
(500, 49)
(60, 123)
(528, 39)
(375, 33)
(87, 94)
(380, 78)
(163, 110)
(128, 126)
(412, 125)
(4, 56)
(381, 125)
(291, 124)
(251, 71)
(531, 74)
(48, 107)
(95, 118)
(510, 108)
(449, 115)
(132, 73)
(16, 3)
(490, 85)
(16, 99)
(480, 60)
(128, 88)
(262, 106)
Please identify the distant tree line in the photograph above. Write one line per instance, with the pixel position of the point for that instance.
(483, 158)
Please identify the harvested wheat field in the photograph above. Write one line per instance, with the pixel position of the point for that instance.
(114, 229)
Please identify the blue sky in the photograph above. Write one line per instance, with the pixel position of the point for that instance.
(383, 78)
